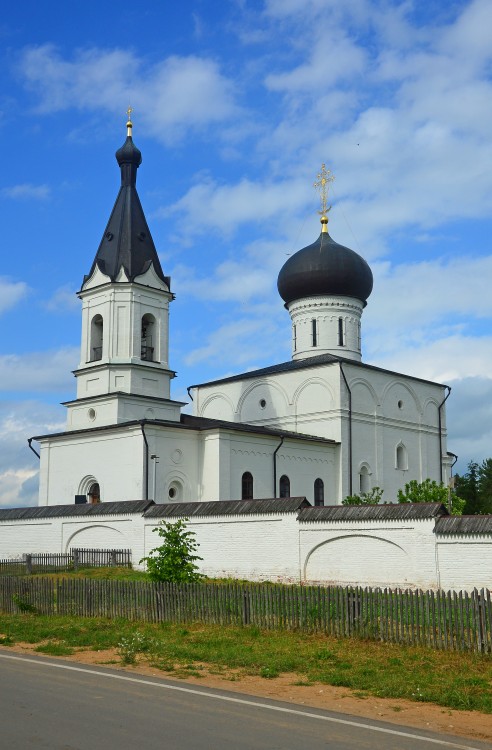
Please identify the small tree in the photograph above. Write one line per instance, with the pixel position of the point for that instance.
(174, 560)
(365, 498)
(429, 491)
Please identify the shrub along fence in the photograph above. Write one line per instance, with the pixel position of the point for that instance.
(444, 620)
(44, 562)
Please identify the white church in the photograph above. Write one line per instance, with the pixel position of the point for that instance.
(260, 468)
(321, 426)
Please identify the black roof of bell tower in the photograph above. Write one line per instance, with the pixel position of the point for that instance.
(127, 242)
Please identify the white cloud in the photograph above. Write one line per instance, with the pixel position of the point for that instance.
(240, 341)
(425, 318)
(11, 293)
(27, 191)
(170, 97)
(469, 420)
(63, 299)
(334, 58)
(19, 466)
(17, 490)
(447, 358)
(226, 207)
(48, 371)
(442, 289)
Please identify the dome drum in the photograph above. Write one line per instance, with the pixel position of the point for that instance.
(326, 325)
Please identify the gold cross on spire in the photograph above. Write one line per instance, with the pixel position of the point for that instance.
(129, 123)
(322, 185)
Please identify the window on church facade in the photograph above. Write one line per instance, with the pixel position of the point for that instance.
(294, 336)
(364, 480)
(147, 341)
(314, 328)
(247, 486)
(97, 328)
(340, 332)
(284, 486)
(319, 492)
(401, 457)
(94, 494)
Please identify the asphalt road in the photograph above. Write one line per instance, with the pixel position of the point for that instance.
(55, 705)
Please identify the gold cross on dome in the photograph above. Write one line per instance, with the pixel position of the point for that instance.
(322, 185)
(129, 113)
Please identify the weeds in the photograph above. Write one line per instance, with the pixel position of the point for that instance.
(23, 605)
(54, 648)
(130, 646)
(452, 680)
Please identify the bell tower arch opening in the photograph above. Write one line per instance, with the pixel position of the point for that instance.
(149, 339)
(97, 338)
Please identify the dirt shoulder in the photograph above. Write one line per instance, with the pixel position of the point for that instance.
(470, 724)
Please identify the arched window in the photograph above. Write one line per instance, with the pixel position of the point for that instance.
(247, 486)
(340, 332)
(284, 486)
(314, 331)
(148, 340)
(94, 494)
(364, 480)
(401, 457)
(319, 492)
(96, 338)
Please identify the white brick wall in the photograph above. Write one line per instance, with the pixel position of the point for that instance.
(465, 562)
(278, 547)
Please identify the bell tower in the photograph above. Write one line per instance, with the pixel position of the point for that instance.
(124, 371)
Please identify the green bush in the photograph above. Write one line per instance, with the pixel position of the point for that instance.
(174, 561)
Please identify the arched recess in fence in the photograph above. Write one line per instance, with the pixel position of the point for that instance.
(352, 558)
(97, 536)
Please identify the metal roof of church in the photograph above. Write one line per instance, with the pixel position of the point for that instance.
(207, 423)
(189, 422)
(464, 525)
(227, 508)
(301, 364)
(127, 242)
(84, 509)
(388, 512)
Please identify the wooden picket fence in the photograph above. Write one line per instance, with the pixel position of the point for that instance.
(443, 620)
(44, 562)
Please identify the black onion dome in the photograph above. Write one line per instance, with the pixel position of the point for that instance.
(127, 242)
(325, 268)
(129, 153)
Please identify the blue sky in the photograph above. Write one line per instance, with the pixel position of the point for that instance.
(236, 105)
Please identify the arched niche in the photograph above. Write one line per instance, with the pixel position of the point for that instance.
(358, 559)
(97, 536)
(401, 402)
(313, 396)
(364, 398)
(431, 413)
(364, 478)
(218, 406)
(263, 400)
(401, 457)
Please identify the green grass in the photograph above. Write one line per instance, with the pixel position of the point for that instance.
(54, 648)
(450, 679)
(116, 573)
